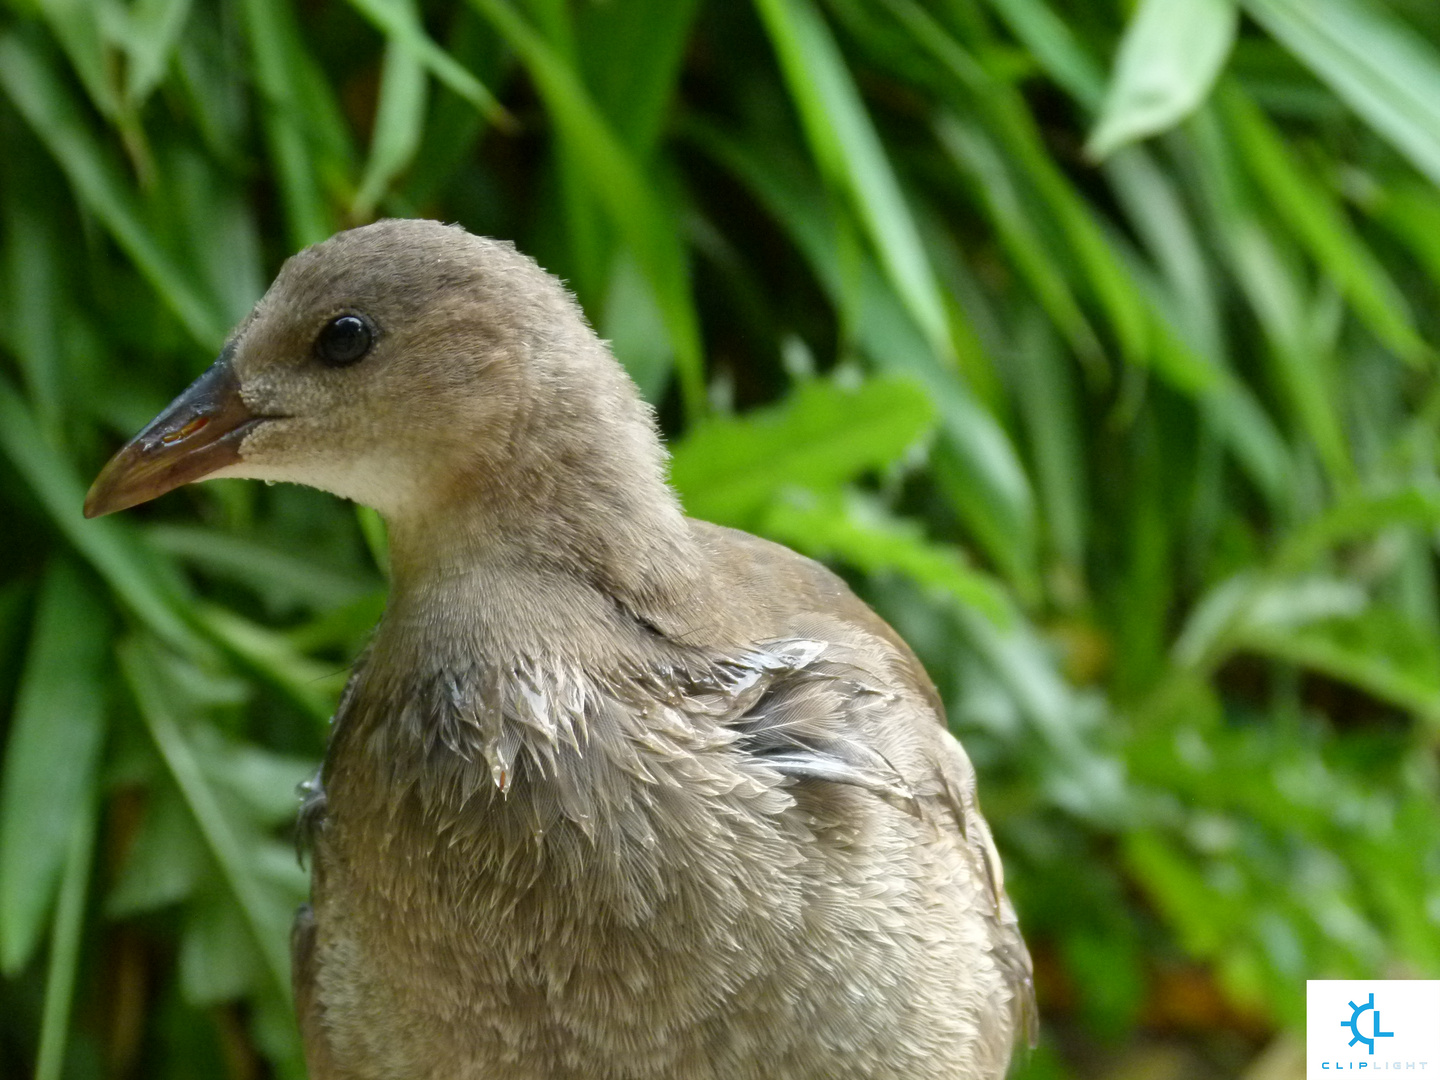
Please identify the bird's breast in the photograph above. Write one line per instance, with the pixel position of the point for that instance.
(477, 936)
(651, 899)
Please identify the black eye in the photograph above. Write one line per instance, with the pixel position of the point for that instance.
(344, 340)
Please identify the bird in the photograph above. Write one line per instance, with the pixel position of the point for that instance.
(611, 793)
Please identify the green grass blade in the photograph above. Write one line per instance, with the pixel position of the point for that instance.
(1320, 224)
(210, 222)
(1044, 387)
(37, 305)
(1052, 43)
(1358, 515)
(166, 860)
(1169, 57)
(1239, 419)
(976, 460)
(1278, 294)
(453, 127)
(152, 32)
(973, 152)
(80, 30)
(1188, 301)
(1012, 123)
(377, 540)
(41, 97)
(1304, 372)
(1410, 210)
(106, 543)
(860, 531)
(635, 327)
(639, 215)
(634, 96)
(65, 941)
(309, 684)
(400, 22)
(146, 682)
(50, 759)
(280, 576)
(1306, 369)
(850, 154)
(298, 119)
(399, 121)
(1377, 651)
(1384, 70)
(1156, 208)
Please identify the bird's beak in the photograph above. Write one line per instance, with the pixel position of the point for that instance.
(199, 432)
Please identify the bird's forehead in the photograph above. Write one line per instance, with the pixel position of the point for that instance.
(360, 274)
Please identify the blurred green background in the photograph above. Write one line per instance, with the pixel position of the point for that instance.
(1093, 341)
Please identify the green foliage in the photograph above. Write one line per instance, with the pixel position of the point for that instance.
(1115, 394)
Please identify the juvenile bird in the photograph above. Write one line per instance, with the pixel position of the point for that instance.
(612, 794)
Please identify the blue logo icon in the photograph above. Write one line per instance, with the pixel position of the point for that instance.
(1354, 1025)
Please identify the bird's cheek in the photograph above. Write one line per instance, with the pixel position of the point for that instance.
(292, 450)
(331, 456)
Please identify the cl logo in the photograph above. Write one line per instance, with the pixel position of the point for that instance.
(1354, 1025)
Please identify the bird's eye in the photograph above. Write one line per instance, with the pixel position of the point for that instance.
(344, 340)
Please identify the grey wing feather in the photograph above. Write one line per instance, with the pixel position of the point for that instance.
(803, 726)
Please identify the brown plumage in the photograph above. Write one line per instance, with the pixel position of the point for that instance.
(613, 793)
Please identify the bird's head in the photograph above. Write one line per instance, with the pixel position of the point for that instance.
(403, 365)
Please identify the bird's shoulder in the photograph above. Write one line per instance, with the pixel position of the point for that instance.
(777, 592)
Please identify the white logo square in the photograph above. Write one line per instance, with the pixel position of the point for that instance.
(1372, 1026)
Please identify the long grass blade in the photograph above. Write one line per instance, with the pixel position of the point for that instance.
(850, 154)
(1319, 223)
(823, 435)
(399, 120)
(107, 544)
(65, 941)
(634, 96)
(977, 461)
(51, 756)
(145, 682)
(152, 32)
(400, 22)
(860, 531)
(302, 126)
(1371, 59)
(639, 214)
(40, 96)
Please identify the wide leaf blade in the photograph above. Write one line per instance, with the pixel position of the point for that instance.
(823, 435)
(1168, 60)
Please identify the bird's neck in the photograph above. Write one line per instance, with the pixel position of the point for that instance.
(554, 578)
(516, 663)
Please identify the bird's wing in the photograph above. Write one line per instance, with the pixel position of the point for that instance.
(830, 713)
